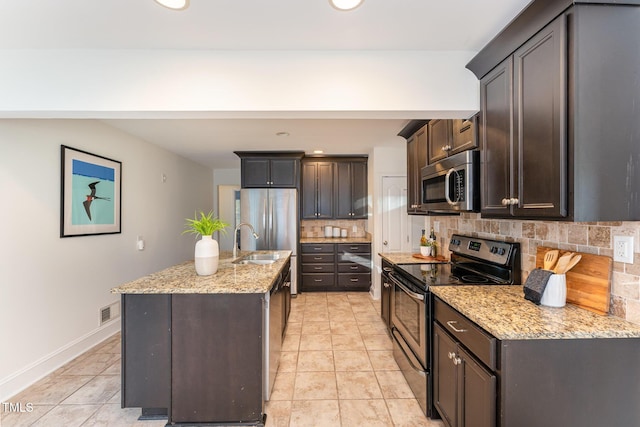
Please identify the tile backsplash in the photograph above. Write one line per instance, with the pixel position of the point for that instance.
(315, 227)
(589, 237)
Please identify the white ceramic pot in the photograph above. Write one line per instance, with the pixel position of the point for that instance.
(425, 250)
(206, 257)
(555, 293)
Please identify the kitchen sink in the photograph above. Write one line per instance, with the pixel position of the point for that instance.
(258, 259)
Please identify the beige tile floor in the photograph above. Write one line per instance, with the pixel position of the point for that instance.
(336, 369)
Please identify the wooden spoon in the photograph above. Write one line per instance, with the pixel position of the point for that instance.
(572, 263)
(563, 261)
(550, 258)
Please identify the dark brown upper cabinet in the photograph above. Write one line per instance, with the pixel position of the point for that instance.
(416, 134)
(334, 188)
(559, 128)
(351, 194)
(317, 190)
(270, 169)
(524, 136)
(450, 136)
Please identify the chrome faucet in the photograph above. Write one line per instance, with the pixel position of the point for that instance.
(235, 237)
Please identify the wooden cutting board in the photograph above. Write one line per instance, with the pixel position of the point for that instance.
(588, 283)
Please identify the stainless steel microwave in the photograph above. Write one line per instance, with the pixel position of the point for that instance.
(452, 184)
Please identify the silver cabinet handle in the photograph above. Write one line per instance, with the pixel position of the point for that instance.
(385, 243)
(457, 361)
(354, 280)
(450, 324)
(387, 269)
(505, 202)
(451, 355)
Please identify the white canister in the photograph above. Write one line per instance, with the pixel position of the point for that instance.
(343, 233)
(555, 293)
(336, 232)
(328, 231)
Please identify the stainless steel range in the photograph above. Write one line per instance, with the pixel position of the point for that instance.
(474, 261)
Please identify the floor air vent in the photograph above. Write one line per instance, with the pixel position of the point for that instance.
(109, 312)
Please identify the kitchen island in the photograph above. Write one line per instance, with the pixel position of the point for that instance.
(501, 360)
(200, 349)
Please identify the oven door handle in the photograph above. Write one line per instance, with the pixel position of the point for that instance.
(394, 332)
(405, 289)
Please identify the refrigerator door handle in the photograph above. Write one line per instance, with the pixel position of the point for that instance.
(270, 216)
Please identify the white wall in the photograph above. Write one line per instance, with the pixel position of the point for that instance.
(385, 161)
(200, 83)
(52, 288)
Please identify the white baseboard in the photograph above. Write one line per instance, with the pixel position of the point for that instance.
(18, 381)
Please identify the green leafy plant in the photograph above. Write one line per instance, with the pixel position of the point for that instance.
(206, 225)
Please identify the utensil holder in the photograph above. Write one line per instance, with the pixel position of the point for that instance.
(555, 293)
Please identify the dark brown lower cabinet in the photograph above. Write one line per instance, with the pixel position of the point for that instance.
(481, 381)
(464, 391)
(216, 359)
(146, 348)
(335, 267)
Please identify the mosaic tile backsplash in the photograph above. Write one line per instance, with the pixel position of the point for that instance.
(589, 237)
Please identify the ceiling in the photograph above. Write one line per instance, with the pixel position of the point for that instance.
(256, 25)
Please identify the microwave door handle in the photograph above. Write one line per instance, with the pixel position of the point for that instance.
(446, 187)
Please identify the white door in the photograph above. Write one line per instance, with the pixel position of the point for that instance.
(395, 235)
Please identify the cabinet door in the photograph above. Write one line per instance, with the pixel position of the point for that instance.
(496, 105)
(413, 175)
(540, 133)
(445, 377)
(439, 140)
(284, 173)
(255, 173)
(146, 351)
(325, 190)
(464, 135)
(477, 391)
(359, 193)
(309, 208)
(343, 191)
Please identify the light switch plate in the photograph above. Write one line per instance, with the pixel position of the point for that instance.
(623, 249)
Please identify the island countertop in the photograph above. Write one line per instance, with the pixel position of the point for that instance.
(229, 279)
(503, 312)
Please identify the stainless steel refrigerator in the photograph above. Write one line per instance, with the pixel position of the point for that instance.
(273, 212)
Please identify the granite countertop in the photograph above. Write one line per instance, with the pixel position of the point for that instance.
(408, 258)
(229, 279)
(335, 240)
(504, 313)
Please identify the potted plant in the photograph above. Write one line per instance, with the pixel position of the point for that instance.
(207, 251)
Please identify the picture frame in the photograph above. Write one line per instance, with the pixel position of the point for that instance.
(91, 193)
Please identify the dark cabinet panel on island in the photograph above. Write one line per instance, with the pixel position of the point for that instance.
(146, 353)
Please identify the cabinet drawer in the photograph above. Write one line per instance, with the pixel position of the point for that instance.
(317, 259)
(358, 248)
(318, 268)
(354, 279)
(355, 258)
(354, 268)
(318, 280)
(316, 248)
(481, 344)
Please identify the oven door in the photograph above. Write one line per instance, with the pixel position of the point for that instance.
(409, 316)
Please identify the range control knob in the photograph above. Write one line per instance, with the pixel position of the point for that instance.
(493, 250)
(501, 251)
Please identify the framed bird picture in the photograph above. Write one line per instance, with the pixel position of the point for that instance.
(91, 187)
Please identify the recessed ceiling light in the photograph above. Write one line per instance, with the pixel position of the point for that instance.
(282, 133)
(345, 4)
(174, 4)
(318, 151)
